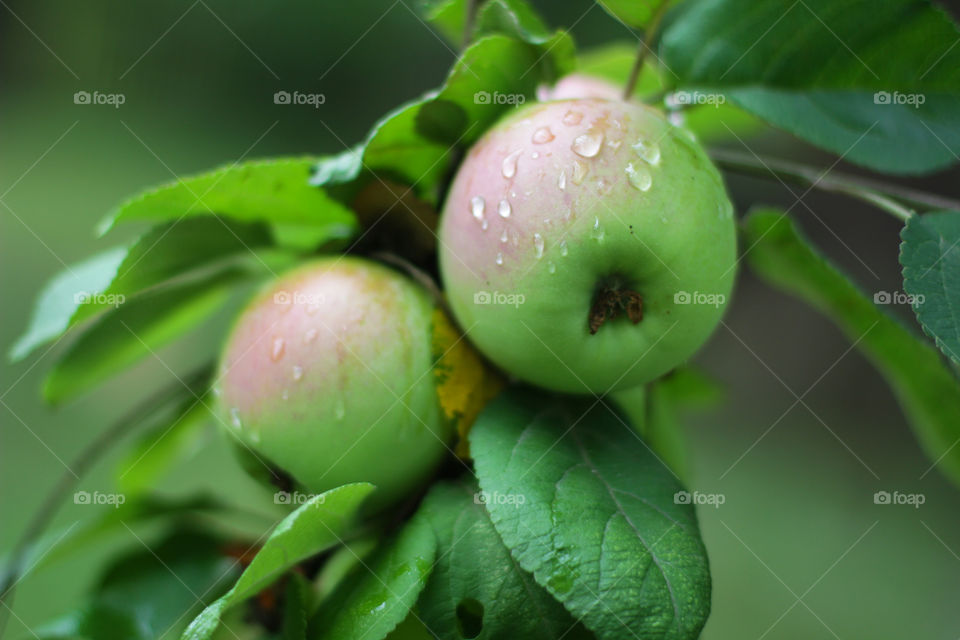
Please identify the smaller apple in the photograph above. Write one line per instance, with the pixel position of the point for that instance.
(339, 372)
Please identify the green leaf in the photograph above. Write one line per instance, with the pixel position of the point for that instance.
(134, 330)
(58, 301)
(584, 506)
(380, 592)
(477, 589)
(927, 390)
(633, 13)
(824, 70)
(65, 543)
(317, 525)
(272, 191)
(931, 274)
(171, 440)
(296, 606)
(151, 592)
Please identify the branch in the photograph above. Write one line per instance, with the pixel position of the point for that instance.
(649, 36)
(897, 200)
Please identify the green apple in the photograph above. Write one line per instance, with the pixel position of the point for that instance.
(587, 245)
(332, 374)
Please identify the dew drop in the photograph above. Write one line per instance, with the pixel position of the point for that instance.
(639, 177)
(649, 151)
(297, 373)
(235, 418)
(477, 205)
(534, 155)
(551, 268)
(503, 236)
(580, 171)
(538, 245)
(286, 394)
(499, 258)
(279, 346)
(509, 166)
(504, 209)
(562, 180)
(572, 118)
(588, 144)
(563, 248)
(598, 232)
(255, 437)
(310, 335)
(542, 135)
(484, 224)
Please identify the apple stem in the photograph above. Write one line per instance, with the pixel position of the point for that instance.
(647, 41)
(81, 464)
(609, 302)
(890, 198)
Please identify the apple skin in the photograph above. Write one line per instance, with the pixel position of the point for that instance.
(580, 223)
(579, 85)
(328, 375)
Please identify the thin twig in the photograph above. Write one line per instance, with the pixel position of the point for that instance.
(897, 200)
(646, 43)
(81, 464)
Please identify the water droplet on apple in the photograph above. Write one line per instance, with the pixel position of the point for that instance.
(503, 236)
(572, 118)
(551, 268)
(598, 231)
(235, 418)
(499, 258)
(279, 346)
(297, 373)
(504, 209)
(563, 248)
(542, 135)
(534, 155)
(639, 177)
(310, 335)
(538, 245)
(484, 225)
(676, 118)
(580, 171)
(509, 166)
(588, 144)
(649, 151)
(286, 394)
(477, 205)
(339, 410)
(254, 437)
(562, 180)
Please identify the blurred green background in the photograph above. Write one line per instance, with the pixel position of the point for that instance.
(798, 550)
